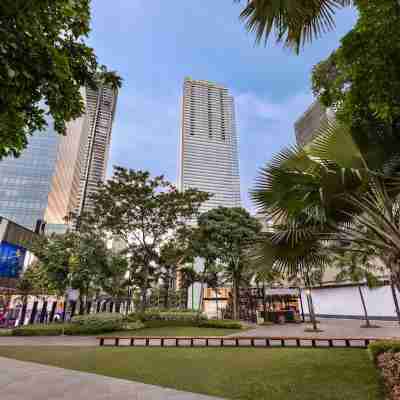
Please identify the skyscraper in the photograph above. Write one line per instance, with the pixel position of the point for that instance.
(42, 184)
(307, 126)
(208, 154)
(54, 173)
(100, 111)
(208, 151)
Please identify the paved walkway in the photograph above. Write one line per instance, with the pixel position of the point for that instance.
(20, 380)
(331, 328)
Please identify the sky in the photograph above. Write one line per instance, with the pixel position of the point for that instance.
(154, 44)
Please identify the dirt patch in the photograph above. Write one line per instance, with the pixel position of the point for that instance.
(389, 363)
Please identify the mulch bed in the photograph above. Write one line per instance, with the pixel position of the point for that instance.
(389, 363)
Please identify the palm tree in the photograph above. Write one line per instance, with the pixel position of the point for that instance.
(293, 22)
(295, 252)
(377, 225)
(322, 192)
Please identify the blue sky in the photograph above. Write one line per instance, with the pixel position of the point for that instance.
(155, 44)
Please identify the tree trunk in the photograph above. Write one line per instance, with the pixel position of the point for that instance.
(166, 296)
(216, 300)
(311, 309)
(235, 297)
(200, 308)
(367, 322)
(395, 300)
(143, 291)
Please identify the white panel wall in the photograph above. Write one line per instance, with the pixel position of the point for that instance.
(345, 301)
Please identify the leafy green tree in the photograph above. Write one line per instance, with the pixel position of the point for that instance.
(292, 22)
(225, 234)
(146, 213)
(187, 277)
(361, 80)
(173, 254)
(43, 64)
(71, 260)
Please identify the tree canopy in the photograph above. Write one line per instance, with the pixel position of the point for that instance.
(44, 62)
(148, 214)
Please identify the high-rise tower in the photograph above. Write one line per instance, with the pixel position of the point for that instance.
(307, 126)
(100, 111)
(55, 175)
(208, 143)
(43, 183)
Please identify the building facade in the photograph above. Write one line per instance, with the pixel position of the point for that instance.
(307, 126)
(208, 151)
(100, 111)
(42, 184)
(54, 173)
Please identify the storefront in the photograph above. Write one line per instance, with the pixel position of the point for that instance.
(275, 305)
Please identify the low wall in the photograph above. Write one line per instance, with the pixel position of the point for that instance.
(345, 302)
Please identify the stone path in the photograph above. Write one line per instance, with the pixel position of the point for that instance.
(20, 380)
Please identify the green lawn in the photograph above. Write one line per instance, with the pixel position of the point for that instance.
(175, 331)
(251, 374)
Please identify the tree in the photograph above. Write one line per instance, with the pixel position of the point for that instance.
(225, 234)
(145, 213)
(71, 260)
(43, 64)
(358, 265)
(293, 22)
(188, 277)
(332, 191)
(361, 80)
(112, 278)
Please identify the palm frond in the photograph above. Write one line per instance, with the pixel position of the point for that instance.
(293, 22)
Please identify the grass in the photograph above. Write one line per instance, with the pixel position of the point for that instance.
(246, 374)
(175, 331)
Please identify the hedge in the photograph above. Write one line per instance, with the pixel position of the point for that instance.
(223, 324)
(383, 346)
(40, 330)
(97, 323)
(79, 325)
(150, 315)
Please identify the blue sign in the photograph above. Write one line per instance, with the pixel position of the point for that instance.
(11, 260)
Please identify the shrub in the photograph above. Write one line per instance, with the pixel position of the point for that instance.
(167, 323)
(223, 324)
(383, 346)
(96, 323)
(133, 326)
(40, 330)
(167, 315)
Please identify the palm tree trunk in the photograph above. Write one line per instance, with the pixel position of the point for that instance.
(367, 322)
(395, 300)
(311, 309)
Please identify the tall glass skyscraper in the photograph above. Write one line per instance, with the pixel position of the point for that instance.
(208, 143)
(42, 183)
(56, 174)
